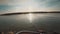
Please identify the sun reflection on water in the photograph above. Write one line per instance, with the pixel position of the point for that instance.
(30, 17)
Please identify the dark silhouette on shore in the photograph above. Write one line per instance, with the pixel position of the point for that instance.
(36, 12)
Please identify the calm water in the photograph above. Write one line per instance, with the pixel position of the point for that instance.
(47, 21)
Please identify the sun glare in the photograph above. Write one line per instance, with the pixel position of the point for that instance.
(30, 17)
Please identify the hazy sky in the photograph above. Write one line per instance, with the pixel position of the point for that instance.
(52, 20)
(29, 5)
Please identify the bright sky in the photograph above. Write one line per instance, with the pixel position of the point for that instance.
(29, 5)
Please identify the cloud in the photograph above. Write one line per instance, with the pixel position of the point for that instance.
(48, 4)
(4, 7)
(27, 5)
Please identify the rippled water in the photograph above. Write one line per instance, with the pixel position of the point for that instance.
(47, 21)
